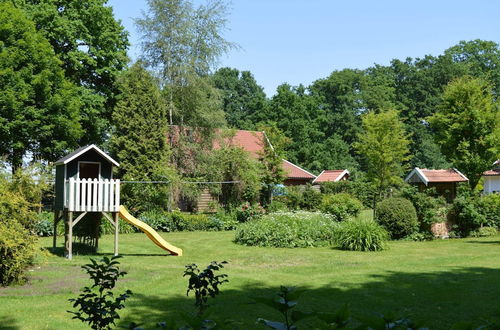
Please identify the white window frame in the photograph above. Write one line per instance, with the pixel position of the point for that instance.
(88, 162)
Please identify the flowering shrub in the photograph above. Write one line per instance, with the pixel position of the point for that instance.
(248, 211)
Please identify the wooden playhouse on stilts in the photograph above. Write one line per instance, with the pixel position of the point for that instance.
(86, 191)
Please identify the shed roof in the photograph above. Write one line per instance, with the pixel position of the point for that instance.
(493, 172)
(295, 172)
(80, 151)
(429, 175)
(331, 176)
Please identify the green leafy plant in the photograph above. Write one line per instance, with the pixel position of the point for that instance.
(17, 250)
(398, 216)
(97, 305)
(205, 283)
(341, 206)
(430, 207)
(288, 229)
(311, 199)
(361, 235)
(284, 304)
(484, 232)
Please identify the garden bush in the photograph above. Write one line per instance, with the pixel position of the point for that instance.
(310, 199)
(224, 220)
(341, 206)
(361, 235)
(44, 225)
(489, 206)
(17, 223)
(358, 187)
(484, 232)
(17, 250)
(158, 220)
(398, 216)
(247, 211)
(430, 208)
(288, 229)
(190, 222)
(277, 205)
(467, 213)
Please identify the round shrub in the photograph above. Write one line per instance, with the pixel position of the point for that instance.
(398, 216)
(361, 235)
(288, 229)
(341, 206)
(17, 250)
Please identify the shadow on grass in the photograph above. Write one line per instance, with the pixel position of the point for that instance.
(8, 323)
(85, 250)
(437, 299)
(483, 242)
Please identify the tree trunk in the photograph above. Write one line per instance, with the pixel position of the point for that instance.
(16, 160)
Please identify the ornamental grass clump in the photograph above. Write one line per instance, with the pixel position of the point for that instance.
(288, 230)
(361, 235)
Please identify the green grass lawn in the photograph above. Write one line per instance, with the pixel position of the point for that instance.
(441, 282)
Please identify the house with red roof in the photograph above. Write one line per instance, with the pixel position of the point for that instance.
(253, 143)
(444, 181)
(491, 179)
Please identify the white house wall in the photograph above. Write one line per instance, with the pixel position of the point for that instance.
(491, 184)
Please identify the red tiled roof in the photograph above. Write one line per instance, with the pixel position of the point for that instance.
(330, 176)
(295, 172)
(250, 141)
(492, 172)
(448, 175)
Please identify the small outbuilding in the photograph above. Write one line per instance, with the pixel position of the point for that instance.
(444, 181)
(492, 179)
(295, 175)
(331, 176)
(85, 187)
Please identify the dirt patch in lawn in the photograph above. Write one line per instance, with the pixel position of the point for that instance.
(48, 280)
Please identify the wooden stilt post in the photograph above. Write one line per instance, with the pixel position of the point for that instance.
(117, 229)
(69, 240)
(54, 235)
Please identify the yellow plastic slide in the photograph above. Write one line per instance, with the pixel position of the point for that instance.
(152, 234)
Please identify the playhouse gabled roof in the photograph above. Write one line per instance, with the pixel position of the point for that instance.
(427, 175)
(80, 151)
(331, 176)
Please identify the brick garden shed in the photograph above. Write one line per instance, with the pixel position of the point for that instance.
(444, 181)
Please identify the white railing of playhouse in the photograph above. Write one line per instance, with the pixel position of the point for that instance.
(92, 195)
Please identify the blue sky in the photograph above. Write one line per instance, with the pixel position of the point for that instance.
(301, 41)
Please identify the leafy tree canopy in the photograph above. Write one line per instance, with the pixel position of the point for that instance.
(92, 46)
(39, 108)
(467, 126)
